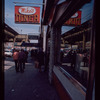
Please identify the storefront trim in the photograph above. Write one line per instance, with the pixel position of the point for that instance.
(66, 80)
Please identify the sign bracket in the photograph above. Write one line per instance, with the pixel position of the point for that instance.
(29, 3)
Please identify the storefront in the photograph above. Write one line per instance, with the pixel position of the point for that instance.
(73, 81)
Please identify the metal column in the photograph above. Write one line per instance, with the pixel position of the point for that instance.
(51, 62)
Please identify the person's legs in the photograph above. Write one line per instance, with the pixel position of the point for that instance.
(23, 65)
(16, 65)
(20, 63)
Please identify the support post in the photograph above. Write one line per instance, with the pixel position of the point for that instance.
(51, 62)
(14, 41)
(84, 41)
(57, 45)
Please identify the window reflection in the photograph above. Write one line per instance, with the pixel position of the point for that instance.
(75, 45)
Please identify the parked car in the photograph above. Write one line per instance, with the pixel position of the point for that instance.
(8, 52)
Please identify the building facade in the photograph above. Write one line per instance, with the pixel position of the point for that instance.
(72, 83)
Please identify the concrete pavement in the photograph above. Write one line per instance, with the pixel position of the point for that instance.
(30, 85)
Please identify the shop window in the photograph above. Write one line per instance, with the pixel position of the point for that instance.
(75, 51)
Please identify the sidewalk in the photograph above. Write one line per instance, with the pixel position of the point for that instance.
(30, 85)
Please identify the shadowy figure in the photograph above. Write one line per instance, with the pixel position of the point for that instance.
(61, 56)
(85, 58)
(26, 52)
(69, 56)
(32, 53)
(73, 62)
(40, 58)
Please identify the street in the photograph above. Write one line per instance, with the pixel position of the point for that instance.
(30, 85)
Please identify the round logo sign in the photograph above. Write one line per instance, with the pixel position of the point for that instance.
(75, 15)
(27, 10)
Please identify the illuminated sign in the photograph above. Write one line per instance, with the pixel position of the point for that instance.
(74, 20)
(27, 15)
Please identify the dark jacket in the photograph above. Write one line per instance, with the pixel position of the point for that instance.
(41, 57)
(21, 56)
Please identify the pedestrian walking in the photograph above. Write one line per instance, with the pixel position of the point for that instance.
(73, 62)
(85, 58)
(61, 56)
(40, 58)
(15, 58)
(26, 52)
(21, 59)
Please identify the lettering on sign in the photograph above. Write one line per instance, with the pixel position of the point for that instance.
(27, 15)
(27, 10)
(74, 20)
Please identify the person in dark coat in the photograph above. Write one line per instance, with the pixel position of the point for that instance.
(69, 56)
(26, 52)
(73, 62)
(61, 56)
(21, 59)
(40, 58)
